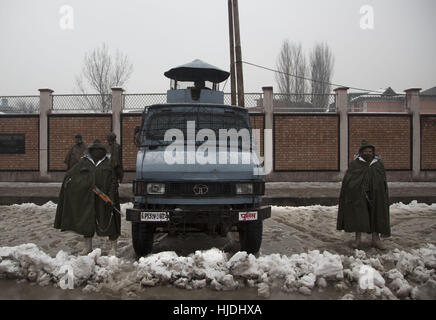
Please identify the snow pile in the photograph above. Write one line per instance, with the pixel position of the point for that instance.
(416, 267)
(213, 269)
(393, 275)
(413, 206)
(196, 271)
(27, 261)
(31, 205)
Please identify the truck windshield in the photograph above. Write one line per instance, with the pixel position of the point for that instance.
(159, 123)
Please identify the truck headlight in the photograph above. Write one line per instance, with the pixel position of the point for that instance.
(244, 188)
(155, 188)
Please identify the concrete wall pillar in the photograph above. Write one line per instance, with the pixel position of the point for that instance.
(342, 108)
(268, 134)
(268, 106)
(413, 105)
(45, 106)
(117, 110)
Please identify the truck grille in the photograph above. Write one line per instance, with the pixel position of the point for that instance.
(198, 189)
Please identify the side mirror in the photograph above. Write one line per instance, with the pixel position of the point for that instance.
(136, 136)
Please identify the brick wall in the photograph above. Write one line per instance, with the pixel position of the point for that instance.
(385, 106)
(428, 104)
(306, 142)
(29, 125)
(257, 122)
(63, 128)
(129, 122)
(391, 136)
(428, 142)
(302, 142)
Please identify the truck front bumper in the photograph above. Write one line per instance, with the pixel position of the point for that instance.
(226, 216)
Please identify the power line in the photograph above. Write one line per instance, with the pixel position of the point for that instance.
(309, 79)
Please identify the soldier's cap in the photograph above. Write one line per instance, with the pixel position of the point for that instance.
(366, 144)
(78, 136)
(96, 144)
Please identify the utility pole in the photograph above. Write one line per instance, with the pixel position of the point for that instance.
(232, 55)
(239, 76)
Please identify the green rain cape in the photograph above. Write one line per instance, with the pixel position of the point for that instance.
(79, 209)
(364, 197)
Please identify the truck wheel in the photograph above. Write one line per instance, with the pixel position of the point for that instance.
(142, 238)
(250, 236)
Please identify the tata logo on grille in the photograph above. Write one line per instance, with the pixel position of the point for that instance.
(200, 189)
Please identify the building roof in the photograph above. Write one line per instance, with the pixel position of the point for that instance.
(429, 92)
(383, 94)
(389, 92)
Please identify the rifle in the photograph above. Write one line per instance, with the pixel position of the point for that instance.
(105, 198)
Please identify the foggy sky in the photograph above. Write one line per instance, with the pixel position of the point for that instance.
(159, 34)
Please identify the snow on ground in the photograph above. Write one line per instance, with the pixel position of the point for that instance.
(396, 184)
(272, 185)
(31, 250)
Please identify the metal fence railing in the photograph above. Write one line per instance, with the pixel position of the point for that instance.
(306, 102)
(76, 103)
(139, 101)
(19, 104)
(357, 102)
(366, 102)
(251, 100)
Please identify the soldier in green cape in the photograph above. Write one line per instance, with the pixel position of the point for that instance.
(76, 152)
(364, 198)
(80, 209)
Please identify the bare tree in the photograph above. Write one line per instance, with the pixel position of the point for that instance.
(300, 72)
(292, 66)
(284, 65)
(100, 73)
(321, 70)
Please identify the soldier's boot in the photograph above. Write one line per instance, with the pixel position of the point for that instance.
(87, 246)
(356, 243)
(376, 242)
(113, 248)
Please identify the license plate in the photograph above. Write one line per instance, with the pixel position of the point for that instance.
(247, 215)
(155, 216)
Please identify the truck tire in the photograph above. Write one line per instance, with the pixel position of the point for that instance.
(142, 238)
(250, 236)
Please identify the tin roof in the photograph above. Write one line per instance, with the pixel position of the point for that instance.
(197, 70)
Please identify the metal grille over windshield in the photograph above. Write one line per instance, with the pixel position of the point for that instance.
(159, 123)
